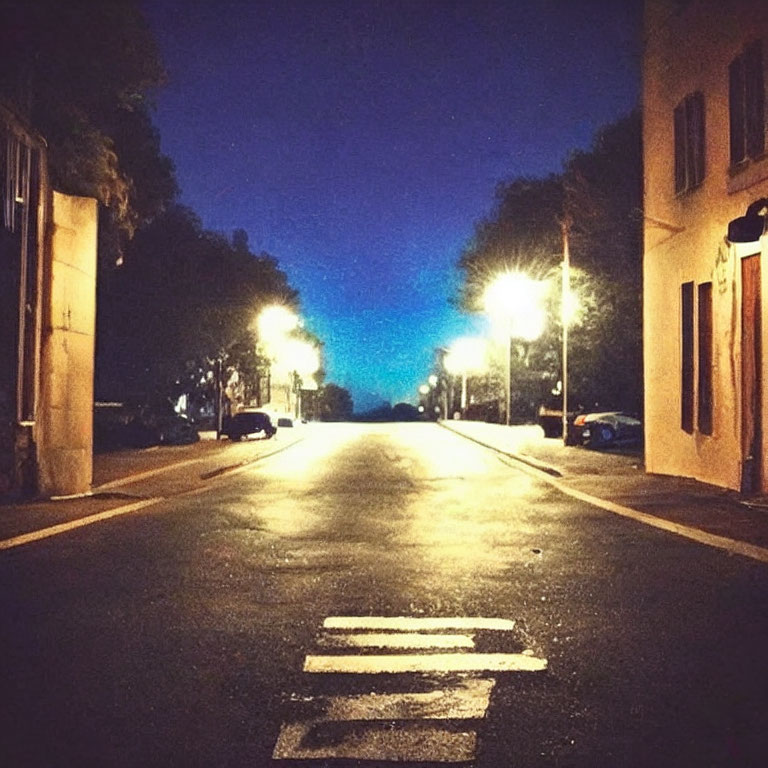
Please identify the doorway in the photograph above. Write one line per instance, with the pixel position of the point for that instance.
(752, 476)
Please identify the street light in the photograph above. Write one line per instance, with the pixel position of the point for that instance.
(275, 322)
(515, 302)
(466, 355)
(298, 359)
(274, 325)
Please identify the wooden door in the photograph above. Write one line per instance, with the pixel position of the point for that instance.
(751, 384)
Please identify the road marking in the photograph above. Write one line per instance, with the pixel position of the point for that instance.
(400, 640)
(400, 726)
(418, 624)
(54, 530)
(300, 741)
(732, 546)
(134, 478)
(468, 701)
(702, 537)
(435, 662)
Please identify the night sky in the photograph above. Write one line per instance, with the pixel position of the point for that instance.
(358, 141)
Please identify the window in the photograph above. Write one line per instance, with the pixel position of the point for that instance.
(689, 142)
(686, 400)
(747, 104)
(705, 358)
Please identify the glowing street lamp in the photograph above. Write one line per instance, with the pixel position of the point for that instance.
(275, 322)
(466, 355)
(515, 302)
(300, 360)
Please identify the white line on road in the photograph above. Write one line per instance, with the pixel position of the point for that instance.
(297, 741)
(436, 662)
(411, 624)
(399, 640)
(54, 530)
(468, 701)
(710, 539)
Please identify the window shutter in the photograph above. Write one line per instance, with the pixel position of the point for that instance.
(687, 367)
(754, 92)
(736, 103)
(697, 139)
(680, 175)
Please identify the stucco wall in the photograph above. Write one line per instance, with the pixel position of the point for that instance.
(690, 50)
(65, 422)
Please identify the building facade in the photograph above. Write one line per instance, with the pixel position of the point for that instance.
(705, 136)
(47, 323)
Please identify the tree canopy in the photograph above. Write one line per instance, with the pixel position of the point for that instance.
(599, 196)
(81, 73)
(334, 403)
(184, 297)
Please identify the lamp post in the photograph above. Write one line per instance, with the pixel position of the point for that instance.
(297, 360)
(515, 302)
(565, 319)
(466, 355)
(274, 325)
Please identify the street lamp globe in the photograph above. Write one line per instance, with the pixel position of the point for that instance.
(275, 322)
(516, 303)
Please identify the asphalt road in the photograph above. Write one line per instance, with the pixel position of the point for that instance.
(516, 627)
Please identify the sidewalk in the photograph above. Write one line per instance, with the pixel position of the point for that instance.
(617, 481)
(126, 480)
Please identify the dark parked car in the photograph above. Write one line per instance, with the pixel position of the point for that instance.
(609, 428)
(284, 421)
(117, 425)
(249, 424)
(550, 418)
(176, 429)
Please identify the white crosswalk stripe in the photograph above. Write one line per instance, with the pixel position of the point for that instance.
(469, 700)
(434, 745)
(418, 624)
(431, 662)
(399, 640)
(401, 726)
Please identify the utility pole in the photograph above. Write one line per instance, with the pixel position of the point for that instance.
(564, 308)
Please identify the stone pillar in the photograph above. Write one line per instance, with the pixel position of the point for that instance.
(65, 410)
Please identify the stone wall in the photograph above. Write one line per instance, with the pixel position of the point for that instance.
(64, 432)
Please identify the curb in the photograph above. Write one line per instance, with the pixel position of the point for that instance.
(552, 477)
(185, 462)
(522, 458)
(97, 492)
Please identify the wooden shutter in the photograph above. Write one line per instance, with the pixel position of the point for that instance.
(686, 382)
(736, 107)
(705, 358)
(754, 97)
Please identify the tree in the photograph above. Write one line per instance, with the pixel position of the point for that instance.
(522, 233)
(599, 194)
(405, 412)
(81, 73)
(604, 196)
(334, 403)
(186, 297)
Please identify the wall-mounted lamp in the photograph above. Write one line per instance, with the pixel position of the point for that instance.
(750, 227)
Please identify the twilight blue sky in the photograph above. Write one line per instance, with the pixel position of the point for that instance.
(358, 141)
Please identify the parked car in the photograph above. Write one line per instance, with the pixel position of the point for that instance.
(284, 421)
(602, 430)
(176, 429)
(550, 419)
(249, 424)
(119, 425)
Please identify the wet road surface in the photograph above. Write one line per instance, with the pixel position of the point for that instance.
(386, 594)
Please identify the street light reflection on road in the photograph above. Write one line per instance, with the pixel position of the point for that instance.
(454, 538)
